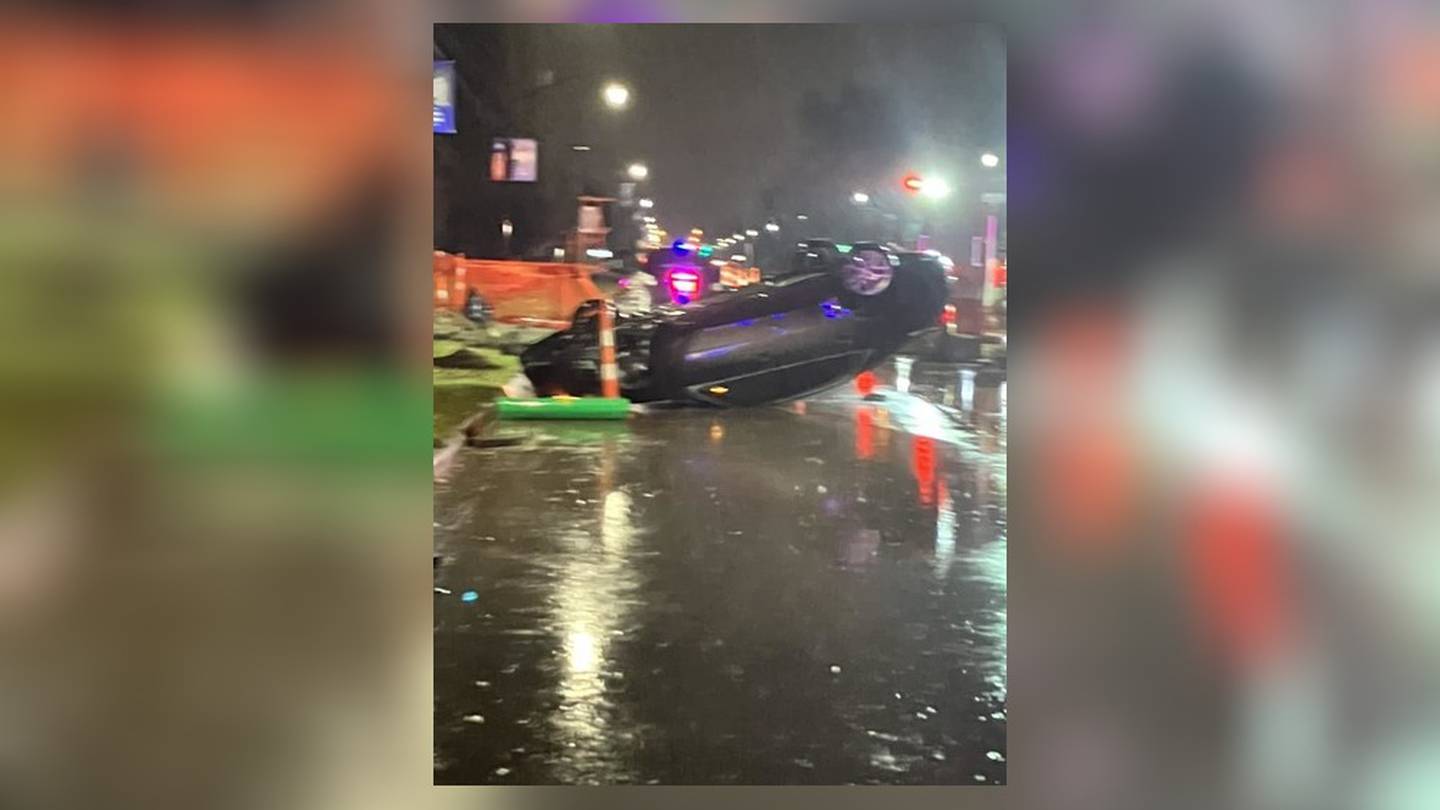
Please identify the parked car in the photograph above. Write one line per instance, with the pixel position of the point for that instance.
(837, 311)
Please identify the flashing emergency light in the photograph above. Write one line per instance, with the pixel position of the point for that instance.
(684, 282)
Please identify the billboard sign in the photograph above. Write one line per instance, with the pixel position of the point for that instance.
(443, 112)
(514, 160)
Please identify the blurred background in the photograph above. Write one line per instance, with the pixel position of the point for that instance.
(1226, 368)
(213, 409)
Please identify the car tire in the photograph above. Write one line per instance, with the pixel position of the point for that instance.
(866, 276)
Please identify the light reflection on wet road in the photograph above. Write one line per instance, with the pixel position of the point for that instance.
(812, 593)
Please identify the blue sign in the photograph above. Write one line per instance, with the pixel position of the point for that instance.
(444, 110)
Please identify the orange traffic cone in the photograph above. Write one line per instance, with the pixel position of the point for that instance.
(609, 371)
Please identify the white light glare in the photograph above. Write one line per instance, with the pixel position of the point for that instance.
(617, 96)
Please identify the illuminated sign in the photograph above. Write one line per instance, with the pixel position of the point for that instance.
(514, 160)
(443, 111)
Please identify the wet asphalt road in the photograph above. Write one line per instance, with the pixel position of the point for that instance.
(806, 594)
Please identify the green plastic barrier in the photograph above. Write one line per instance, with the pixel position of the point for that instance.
(563, 408)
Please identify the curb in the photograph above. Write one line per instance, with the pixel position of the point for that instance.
(469, 430)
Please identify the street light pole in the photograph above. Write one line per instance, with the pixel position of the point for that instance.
(614, 95)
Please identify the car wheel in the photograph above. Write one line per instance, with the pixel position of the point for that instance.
(868, 272)
(866, 276)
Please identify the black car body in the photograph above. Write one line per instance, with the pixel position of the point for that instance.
(833, 315)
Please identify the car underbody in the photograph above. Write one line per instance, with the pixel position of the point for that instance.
(834, 315)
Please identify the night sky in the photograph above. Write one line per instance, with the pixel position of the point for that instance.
(739, 122)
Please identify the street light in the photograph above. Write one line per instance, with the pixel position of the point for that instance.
(989, 160)
(580, 147)
(507, 228)
(801, 217)
(616, 95)
(935, 188)
(646, 202)
(860, 198)
(772, 227)
(638, 171)
(751, 232)
(738, 237)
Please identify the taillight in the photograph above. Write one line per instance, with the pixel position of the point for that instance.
(947, 318)
(865, 383)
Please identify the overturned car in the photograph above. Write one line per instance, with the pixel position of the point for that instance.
(832, 315)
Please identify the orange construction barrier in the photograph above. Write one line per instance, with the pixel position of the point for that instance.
(544, 292)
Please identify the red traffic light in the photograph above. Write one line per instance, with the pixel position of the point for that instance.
(912, 182)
